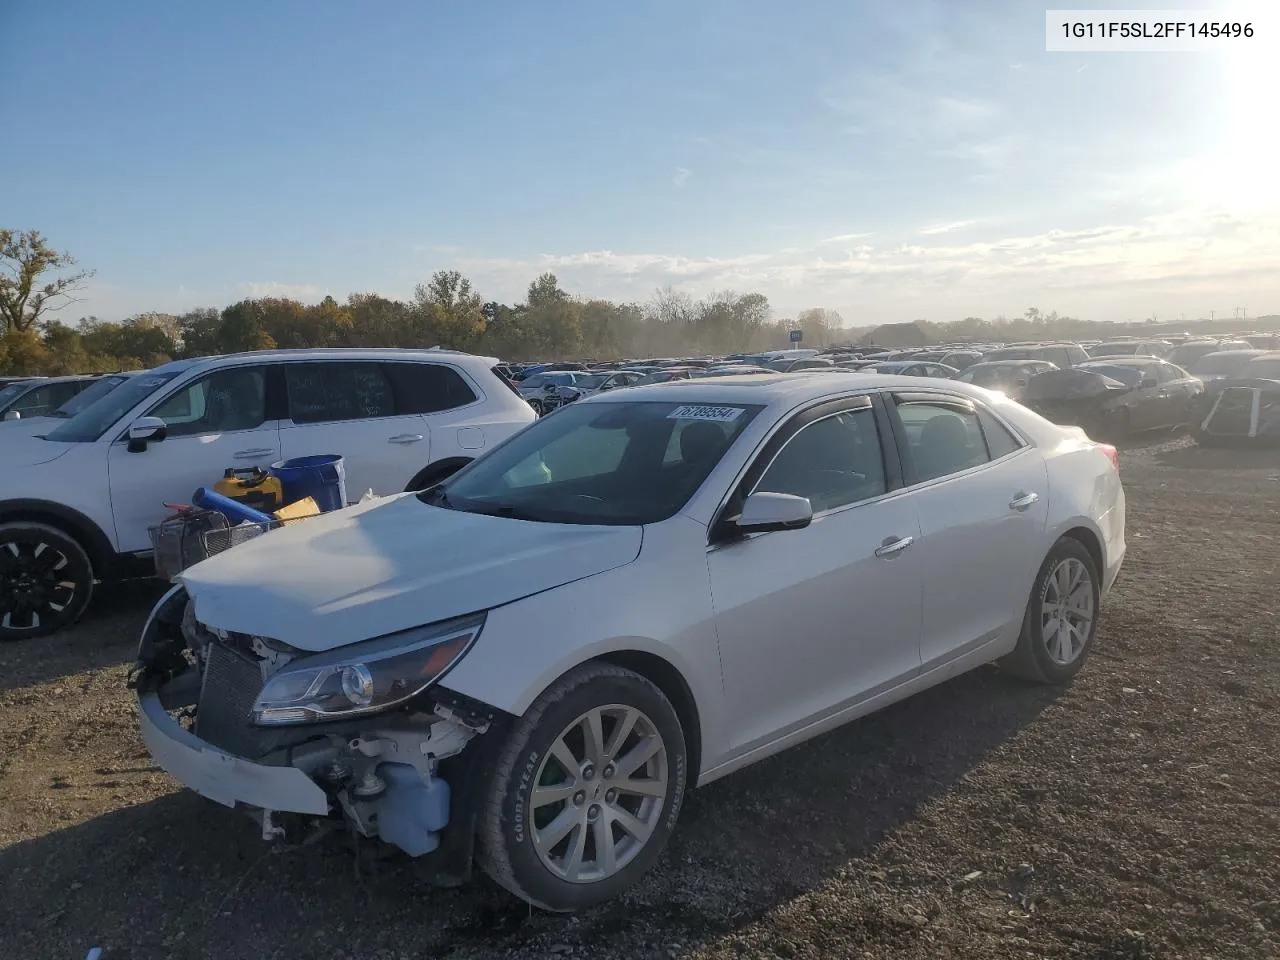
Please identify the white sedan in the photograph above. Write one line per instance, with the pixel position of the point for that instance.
(527, 665)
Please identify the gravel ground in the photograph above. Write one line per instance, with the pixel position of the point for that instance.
(1131, 816)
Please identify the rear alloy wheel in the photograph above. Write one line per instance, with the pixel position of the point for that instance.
(1061, 617)
(538, 408)
(46, 580)
(586, 791)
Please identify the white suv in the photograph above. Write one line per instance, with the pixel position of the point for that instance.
(78, 500)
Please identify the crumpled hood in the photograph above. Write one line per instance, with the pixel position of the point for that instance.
(20, 447)
(390, 565)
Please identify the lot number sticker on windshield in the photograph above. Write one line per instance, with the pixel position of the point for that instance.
(702, 412)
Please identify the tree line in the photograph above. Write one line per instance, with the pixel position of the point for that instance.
(38, 283)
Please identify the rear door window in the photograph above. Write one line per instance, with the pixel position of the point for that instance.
(943, 437)
(328, 392)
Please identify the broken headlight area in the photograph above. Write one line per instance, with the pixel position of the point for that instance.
(361, 722)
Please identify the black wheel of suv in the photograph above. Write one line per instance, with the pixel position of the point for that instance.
(46, 580)
(1061, 617)
(586, 791)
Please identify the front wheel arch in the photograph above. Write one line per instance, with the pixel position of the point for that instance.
(71, 523)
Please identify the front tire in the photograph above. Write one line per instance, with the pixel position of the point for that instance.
(1061, 619)
(586, 791)
(46, 580)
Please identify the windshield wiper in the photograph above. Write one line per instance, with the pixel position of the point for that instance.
(505, 510)
(436, 495)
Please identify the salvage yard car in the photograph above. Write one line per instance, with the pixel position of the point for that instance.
(77, 500)
(526, 665)
(1116, 398)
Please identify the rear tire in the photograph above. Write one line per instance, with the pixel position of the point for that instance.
(1056, 637)
(46, 580)
(566, 839)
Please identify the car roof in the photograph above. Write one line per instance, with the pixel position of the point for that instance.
(73, 378)
(781, 389)
(1124, 360)
(468, 360)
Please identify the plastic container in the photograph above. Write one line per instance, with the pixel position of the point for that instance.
(322, 477)
(254, 487)
(233, 510)
(412, 812)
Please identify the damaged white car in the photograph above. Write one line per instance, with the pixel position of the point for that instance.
(525, 666)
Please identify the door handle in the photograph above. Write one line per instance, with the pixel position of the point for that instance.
(256, 454)
(1023, 500)
(892, 547)
(405, 438)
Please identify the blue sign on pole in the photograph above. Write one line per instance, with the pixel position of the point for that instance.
(796, 336)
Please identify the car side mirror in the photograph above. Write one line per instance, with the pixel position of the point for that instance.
(767, 512)
(1147, 382)
(12, 415)
(1020, 382)
(146, 430)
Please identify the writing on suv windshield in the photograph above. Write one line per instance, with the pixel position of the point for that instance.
(97, 418)
(611, 463)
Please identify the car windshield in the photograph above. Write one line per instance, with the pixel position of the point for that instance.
(599, 463)
(97, 418)
(1221, 364)
(589, 381)
(87, 397)
(11, 393)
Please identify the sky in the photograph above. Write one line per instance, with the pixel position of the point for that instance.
(889, 160)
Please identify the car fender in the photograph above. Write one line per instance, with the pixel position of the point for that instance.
(526, 645)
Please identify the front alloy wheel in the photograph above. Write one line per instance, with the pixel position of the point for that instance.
(586, 790)
(599, 794)
(46, 580)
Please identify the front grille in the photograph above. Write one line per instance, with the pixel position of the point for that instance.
(224, 717)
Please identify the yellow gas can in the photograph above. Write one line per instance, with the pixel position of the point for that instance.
(253, 487)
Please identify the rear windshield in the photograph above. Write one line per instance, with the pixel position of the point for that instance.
(1113, 350)
(1264, 368)
(1130, 376)
(1220, 364)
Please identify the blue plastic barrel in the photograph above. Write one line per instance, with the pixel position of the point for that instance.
(321, 477)
(233, 510)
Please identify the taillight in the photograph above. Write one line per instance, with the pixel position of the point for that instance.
(1112, 454)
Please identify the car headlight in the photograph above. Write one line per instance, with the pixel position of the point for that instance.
(367, 677)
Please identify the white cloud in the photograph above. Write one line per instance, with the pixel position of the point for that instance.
(1192, 261)
(681, 177)
(846, 237)
(274, 288)
(938, 228)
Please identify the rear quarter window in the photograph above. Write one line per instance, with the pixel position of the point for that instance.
(428, 387)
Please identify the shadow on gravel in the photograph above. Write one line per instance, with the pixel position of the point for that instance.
(106, 636)
(180, 876)
(1220, 458)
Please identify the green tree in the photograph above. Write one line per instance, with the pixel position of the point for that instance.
(27, 291)
(448, 312)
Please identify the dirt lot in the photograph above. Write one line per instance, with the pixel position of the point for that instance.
(1135, 815)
